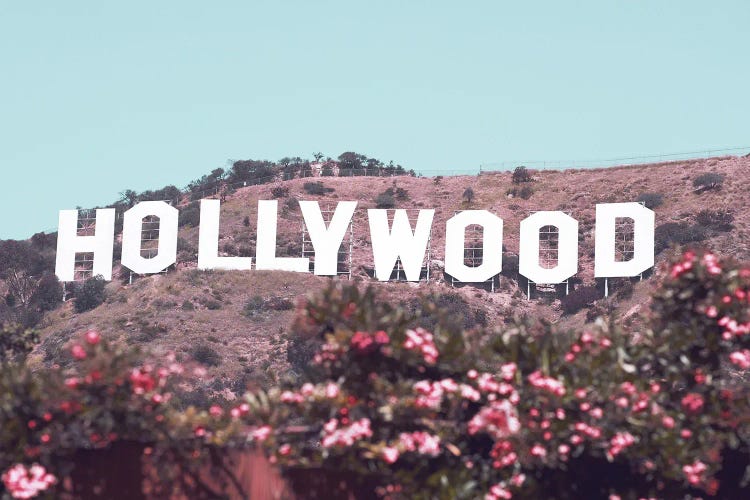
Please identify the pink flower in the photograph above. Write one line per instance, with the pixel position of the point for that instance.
(215, 411)
(741, 358)
(332, 390)
(390, 454)
(538, 451)
(92, 337)
(261, 433)
(421, 340)
(667, 422)
(499, 419)
(508, 371)
(21, 482)
(285, 449)
(694, 472)
(498, 492)
(549, 384)
(78, 352)
(692, 403)
(619, 442)
(333, 435)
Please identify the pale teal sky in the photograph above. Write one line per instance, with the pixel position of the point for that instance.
(97, 97)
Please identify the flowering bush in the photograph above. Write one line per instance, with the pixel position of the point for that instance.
(527, 410)
(109, 396)
(388, 409)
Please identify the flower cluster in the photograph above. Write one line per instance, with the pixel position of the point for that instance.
(23, 482)
(422, 341)
(334, 435)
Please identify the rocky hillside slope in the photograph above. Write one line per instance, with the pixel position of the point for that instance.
(234, 322)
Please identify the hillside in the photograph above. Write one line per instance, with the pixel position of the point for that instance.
(234, 322)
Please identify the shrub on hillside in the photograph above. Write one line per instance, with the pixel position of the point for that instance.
(190, 215)
(468, 195)
(715, 220)
(280, 192)
(677, 233)
(448, 309)
(48, 294)
(385, 200)
(579, 298)
(526, 192)
(205, 354)
(316, 188)
(90, 294)
(16, 341)
(707, 181)
(254, 307)
(521, 174)
(651, 200)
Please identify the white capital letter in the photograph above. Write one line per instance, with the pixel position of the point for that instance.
(69, 243)
(327, 241)
(265, 253)
(208, 241)
(132, 227)
(567, 247)
(492, 246)
(605, 265)
(399, 241)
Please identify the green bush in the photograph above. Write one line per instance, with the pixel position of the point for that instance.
(677, 233)
(521, 174)
(280, 192)
(254, 307)
(48, 293)
(316, 188)
(579, 298)
(707, 181)
(385, 200)
(715, 220)
(205, 354)
(651, 200)
(190, 215)
(16, 341)
(90, 294)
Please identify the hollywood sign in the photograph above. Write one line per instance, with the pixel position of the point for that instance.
(390, 241)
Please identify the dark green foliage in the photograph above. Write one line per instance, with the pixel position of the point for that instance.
(651, 200)
(190, 215)
(707, 181)
(468, 195)
(385, 200)
(521, 174)
(316, 188)
(206, 355)
(254, 307)
(580, 298)
(187, 306)
(678, 233)
(252, 172)
(715, 220)
(279, 304)
(279, 192)
(16, 341)
(90, 294)
(523, 193)
(48, 294)
(449, 309)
